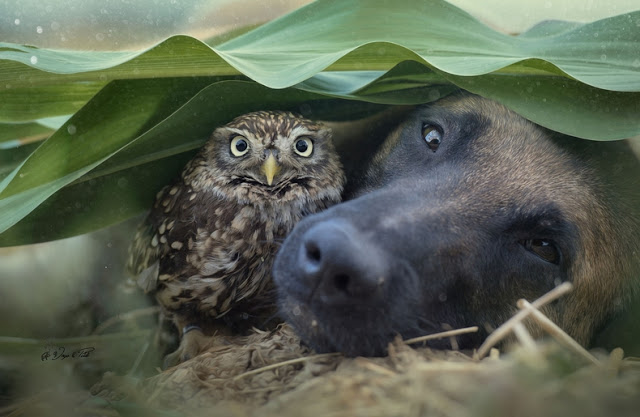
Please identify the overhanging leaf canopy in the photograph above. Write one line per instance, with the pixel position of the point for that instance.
(136, 117)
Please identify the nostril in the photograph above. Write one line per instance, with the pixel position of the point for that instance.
(313, 252)
(341, 282)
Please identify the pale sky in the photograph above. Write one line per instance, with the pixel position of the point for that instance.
(126, 24)
(519, 15)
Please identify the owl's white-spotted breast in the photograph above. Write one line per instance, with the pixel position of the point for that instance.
(207, 246)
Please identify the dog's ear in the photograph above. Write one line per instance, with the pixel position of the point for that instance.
(358, 141)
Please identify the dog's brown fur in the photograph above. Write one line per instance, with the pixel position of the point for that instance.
(453, 219)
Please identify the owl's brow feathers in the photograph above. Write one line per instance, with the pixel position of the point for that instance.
(263, 123)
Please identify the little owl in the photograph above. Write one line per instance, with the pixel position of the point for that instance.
(206, 248)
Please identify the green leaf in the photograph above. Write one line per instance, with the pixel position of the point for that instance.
(27, 103)
(97, 202)
(118, 114)
(179, 56)
(340, 35)
(12, 158)
(138, 116)
(13, 135)
(118, 179)
(407, 83)
(579, 110)
(347, 35)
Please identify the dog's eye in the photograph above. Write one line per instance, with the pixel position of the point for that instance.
(432, 136)
(545, 249)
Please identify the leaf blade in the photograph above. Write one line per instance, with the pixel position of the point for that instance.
(343, 35)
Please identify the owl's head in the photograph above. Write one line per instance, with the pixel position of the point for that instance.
(273, 150)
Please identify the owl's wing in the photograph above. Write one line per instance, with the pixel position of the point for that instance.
(143, 260)
(150, 243)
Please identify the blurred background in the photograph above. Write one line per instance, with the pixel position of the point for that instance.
(71, 288)
(127, 24)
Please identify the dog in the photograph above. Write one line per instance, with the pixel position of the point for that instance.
(453, 213)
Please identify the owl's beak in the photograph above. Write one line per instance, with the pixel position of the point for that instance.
(270, 168)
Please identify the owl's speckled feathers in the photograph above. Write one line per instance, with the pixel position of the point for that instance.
(208, 243)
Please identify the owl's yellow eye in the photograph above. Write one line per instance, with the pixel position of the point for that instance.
(303, 147)
(239, 146)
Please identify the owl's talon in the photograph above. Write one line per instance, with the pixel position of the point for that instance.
(187, 329)
(193, 342)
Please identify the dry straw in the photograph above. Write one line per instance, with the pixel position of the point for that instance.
(272, 374)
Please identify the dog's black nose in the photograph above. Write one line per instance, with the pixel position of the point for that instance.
(338, 265)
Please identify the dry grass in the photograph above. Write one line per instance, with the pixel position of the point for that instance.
(272, 374)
